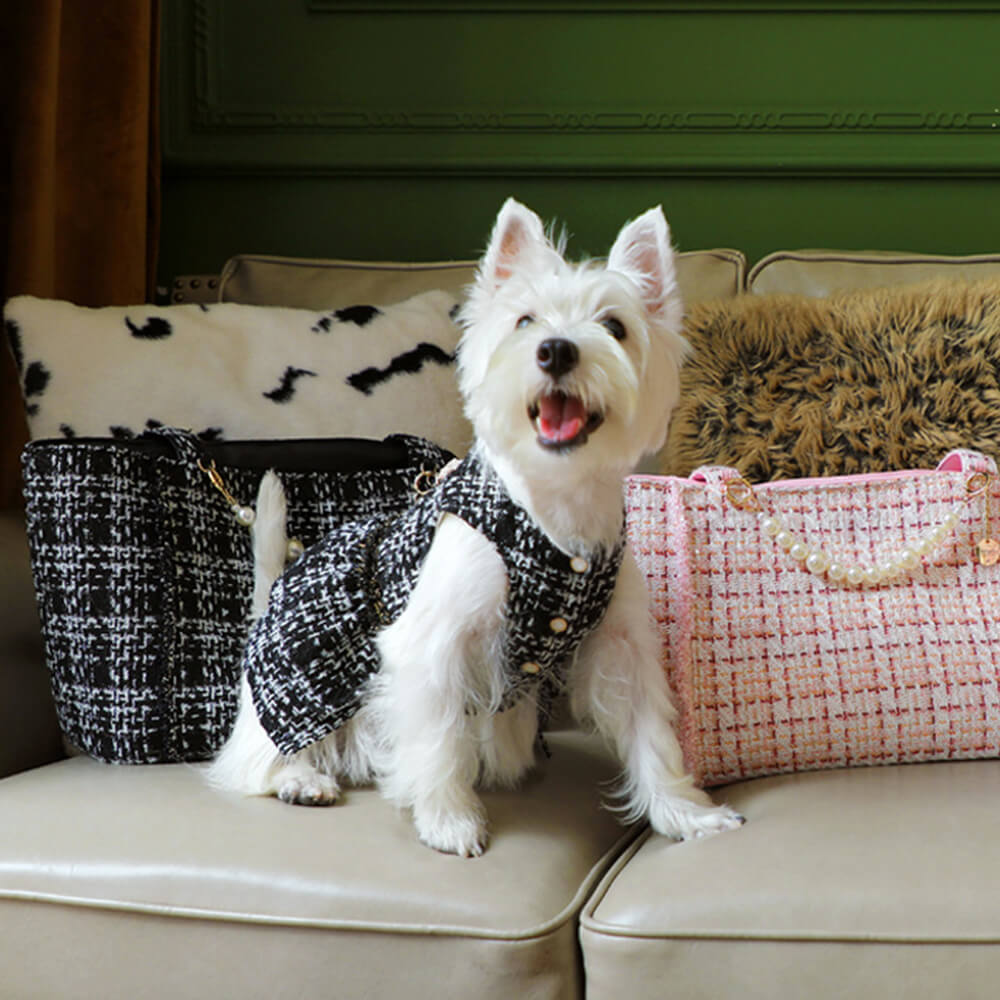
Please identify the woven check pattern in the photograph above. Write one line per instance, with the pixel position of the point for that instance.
(543, 585)
(776, 669)
(144, 581)
(312, 654)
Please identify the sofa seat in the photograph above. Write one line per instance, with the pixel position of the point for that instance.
(826, 892)
(144, 882)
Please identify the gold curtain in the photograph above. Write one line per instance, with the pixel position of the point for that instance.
(79, 167)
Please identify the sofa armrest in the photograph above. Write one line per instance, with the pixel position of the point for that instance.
(29, 732)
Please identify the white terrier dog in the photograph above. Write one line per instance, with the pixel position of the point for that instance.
(569, 373)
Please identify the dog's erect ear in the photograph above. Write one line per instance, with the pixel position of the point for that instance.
(517, 231)
(642, 251)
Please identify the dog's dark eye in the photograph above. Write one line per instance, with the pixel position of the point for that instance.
(525, 320)
(615, 327)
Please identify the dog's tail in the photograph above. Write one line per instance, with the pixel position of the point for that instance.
(270, 543)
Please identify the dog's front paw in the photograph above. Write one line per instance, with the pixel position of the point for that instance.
(463, 834)
(312, 789)
(685, 819)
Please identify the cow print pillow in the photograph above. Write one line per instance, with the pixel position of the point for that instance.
(238, 371)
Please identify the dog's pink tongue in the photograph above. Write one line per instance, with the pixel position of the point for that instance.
(560, 418)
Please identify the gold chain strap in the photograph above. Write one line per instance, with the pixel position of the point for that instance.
(987, 548)
(244, 514)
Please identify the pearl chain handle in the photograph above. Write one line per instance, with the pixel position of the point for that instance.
(839, 569)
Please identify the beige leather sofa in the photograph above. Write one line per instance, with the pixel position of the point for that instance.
(142, 882)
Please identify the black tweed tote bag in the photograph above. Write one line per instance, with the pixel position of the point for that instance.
(144, 573)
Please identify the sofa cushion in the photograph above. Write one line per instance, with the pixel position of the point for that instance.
(29, 731)
(237, 371)
(820, 272)
(308, 283)
(785, 386)
(824, 893)
(156, 885)
(326, 284)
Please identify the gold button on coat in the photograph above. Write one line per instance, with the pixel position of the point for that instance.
(579, 565)
(558, 625)
(530, 667)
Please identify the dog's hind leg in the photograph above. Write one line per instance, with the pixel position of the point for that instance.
(250, 764)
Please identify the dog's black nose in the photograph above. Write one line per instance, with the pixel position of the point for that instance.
(557, 356)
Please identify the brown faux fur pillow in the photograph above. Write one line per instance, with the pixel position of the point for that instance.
(784, 386)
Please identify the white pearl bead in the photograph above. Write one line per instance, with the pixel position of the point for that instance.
(855, 575)
(836, 571)
(785, 539)
(770, 525)
(799, 551)
(908, 559)
(245, 515)
(888, 569)
(872, 575)
(817, 562)
(950, 521)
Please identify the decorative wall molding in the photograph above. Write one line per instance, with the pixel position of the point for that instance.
(208, 126)
(262, 119)
(391, 129)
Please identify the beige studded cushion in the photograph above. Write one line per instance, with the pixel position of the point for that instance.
(820, 272)
(327, 284)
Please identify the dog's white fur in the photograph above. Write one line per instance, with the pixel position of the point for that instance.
(429, 730)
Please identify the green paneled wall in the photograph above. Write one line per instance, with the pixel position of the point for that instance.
(394, 129)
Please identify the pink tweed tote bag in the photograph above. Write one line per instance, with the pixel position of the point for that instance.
(819, 623)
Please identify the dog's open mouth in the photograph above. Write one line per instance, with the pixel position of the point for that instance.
(562, 421)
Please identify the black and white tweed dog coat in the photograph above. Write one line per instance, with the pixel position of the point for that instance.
(311, 654)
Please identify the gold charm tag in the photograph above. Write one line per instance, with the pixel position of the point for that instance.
(987, 548)
(989, 551)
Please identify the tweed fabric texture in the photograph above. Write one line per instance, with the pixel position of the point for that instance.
(144, 578)
(778, 669)
(311, 655)
(786, 386)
